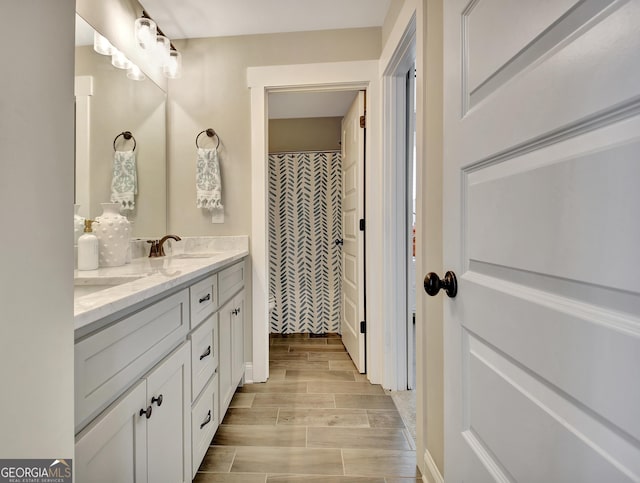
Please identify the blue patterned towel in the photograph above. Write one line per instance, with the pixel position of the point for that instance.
(208, 184)
(124, 184)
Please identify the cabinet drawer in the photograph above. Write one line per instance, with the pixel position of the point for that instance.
(204, 422)
(231, 280)
(109, 361)
(204, 354)
(204, 299)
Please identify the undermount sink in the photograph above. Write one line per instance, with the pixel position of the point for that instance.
(88, 285)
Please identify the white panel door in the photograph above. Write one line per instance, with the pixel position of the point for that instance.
(353, 239)
(541, 173)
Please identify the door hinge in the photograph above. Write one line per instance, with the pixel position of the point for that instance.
(361, 224)
(363, 121)
(363, 327)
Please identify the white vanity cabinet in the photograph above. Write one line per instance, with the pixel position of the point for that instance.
(152, 386)
(231, 332)
(145, 435)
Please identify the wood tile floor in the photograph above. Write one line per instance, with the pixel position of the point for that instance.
(316, 420)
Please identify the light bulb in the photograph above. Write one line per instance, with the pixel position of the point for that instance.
(134, 73)
(172, 68)
(145, 31)
(119, 60)
(161, 53)
(102, 45)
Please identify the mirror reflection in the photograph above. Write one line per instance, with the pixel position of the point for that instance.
(109, 103)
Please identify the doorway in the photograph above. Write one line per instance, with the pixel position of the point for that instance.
(315, 201)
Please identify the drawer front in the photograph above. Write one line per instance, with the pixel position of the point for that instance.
(204, 422)
(204, 299)
(231, 280)
(109, 361)
(204, 354)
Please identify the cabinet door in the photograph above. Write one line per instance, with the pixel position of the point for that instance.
(169, 427)
(113, 448)
(237, 340)
(225, 361)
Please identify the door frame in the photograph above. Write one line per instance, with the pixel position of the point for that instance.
(317, 77)
(394, 129)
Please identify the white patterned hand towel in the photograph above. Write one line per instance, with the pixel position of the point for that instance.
(208, 184)
(124, 184)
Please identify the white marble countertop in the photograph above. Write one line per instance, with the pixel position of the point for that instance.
(122, 287)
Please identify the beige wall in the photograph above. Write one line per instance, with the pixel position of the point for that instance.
(307, 134)
(36, 206)
(392, 14)
(120, 104)
(213, 93)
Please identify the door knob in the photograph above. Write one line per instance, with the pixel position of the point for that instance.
(339, 241)
(433, 284)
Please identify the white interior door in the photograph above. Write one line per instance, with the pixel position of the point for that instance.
(542, 165)
(353, 239)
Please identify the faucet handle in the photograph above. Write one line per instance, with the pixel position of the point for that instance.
(153, 251)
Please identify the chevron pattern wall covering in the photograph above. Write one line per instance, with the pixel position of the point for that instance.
(305, 265)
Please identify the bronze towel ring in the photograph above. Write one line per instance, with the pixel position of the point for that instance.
(127, 135)
(211, 133)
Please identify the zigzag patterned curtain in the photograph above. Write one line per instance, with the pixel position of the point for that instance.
(304, 222)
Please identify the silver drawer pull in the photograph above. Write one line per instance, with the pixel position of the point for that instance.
(205, 298)
(206, 421)
(206, 353)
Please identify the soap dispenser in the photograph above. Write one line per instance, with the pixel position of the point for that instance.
(88, 248)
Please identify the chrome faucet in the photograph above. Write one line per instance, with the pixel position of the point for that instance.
(157, 248)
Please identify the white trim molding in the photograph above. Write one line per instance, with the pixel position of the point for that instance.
(432, 473)
(317, 77)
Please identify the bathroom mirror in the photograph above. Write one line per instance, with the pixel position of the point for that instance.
(108, 103)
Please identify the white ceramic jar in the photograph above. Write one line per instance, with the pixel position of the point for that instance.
(114, 232)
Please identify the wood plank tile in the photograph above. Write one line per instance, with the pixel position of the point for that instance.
(282, 436)
(291, 340)
(304, 347)
(288, 356)
(288, 460)
(277, 375)
(241, 400)
(375, 438)
(218, 459)
(384, 419)
(328, 356)
(344, 387)
(363, 462)
(323, 417)
(364, 401)
(318, 375)
(300, 365)
(275, 386)
(251, 416)
(263, 400)
(342, 366)
(229, 478)
(323, 479)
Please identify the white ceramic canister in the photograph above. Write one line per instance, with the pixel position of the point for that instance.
(114, 233)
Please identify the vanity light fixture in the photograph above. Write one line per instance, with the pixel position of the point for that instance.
(172, 69)
(145, 31)
(150, 38)
(102, 45)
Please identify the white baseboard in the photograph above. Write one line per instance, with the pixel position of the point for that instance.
(248, 372)
(433, 474)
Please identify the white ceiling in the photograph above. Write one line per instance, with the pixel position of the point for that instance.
(290, 105)
(217, 18)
